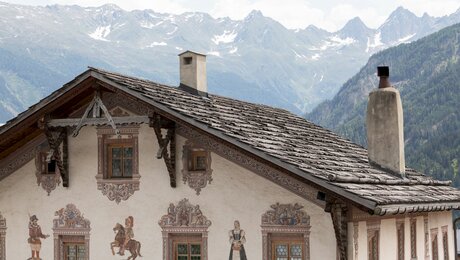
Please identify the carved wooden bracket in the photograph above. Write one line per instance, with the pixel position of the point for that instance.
(158, 123)
(339, 215)
(95, 106)
(57, 136)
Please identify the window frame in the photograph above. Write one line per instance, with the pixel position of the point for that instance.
(176, 227)
(115, 188)
(197, 179)
(288, 240)
(274, 228)
(70, 227)
(373, 238)
(124, 143)
(189, 241)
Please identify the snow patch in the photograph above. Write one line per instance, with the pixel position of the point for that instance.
(234, 50)
(179, 48)
(213, 53)
(226, 37)
(153, 44)
(321, 79)
(334, 42)
(407, 38)
(19, 17)
(100, 33)
(376, 43)
(149, 25)
(173, 31)
(316, 57)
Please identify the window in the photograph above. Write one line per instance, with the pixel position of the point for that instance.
(73, 251)
(118, 173)
(185, 232)
(184, 250)
(400, 233)
(120, 160)
(434, 244)
(445, 245)
(47, 172)
(413, 238)
(198, 160)
(373, 240)
(287, 250)
(47, 167)
(187, 60)
(286, 233)
(196, 169)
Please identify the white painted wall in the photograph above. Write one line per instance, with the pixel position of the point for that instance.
(235, 193)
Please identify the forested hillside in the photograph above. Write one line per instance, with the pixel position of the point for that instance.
(427, 73)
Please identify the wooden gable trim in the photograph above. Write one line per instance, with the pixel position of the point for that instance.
(21, 156)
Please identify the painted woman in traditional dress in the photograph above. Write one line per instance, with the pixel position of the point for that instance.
(237, 239)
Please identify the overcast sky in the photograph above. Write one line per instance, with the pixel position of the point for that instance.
(327, 14)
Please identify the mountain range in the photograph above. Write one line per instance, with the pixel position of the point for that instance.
(427, 74)
(255, 59)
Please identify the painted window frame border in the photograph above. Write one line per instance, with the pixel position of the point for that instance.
(117, 189)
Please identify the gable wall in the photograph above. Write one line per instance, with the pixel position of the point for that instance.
(234, 194)
(388, 243)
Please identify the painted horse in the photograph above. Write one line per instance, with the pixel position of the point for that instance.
(133, 246)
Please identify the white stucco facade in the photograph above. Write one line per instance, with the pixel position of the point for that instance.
(234, 194)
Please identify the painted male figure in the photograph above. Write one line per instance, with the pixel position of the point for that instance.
(129, 233)
(35, 233)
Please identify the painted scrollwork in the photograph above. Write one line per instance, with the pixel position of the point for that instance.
(70, 217)
(2, 237)
(118, 191)
(286, 215)
(70, 226)
(184, 214)
(196, 177)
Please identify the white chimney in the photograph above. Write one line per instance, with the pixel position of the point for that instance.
(385, 133)
(193, 72)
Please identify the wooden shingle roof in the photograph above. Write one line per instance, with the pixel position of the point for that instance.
(301, 147)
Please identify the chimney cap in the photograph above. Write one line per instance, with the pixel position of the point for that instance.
(194, 52)
(383, 71)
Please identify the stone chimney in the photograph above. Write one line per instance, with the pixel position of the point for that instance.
(193, 73)
(385, 133)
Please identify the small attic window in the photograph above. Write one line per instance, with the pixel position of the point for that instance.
(187, 60)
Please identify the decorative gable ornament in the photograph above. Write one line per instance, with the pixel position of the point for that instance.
(184, 214)
(70, 217)
(286, 215)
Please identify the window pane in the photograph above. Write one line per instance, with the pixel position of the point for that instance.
(128, 168)
(116, 152)
(51, 166)
(182, 249)
(200, 163)
(195, 249)
(196, 258)
(128, 152)
(116, 168)
(296, 250)
(182, 257)
(281, 250)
